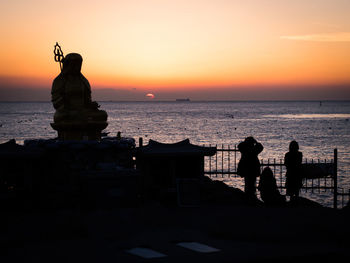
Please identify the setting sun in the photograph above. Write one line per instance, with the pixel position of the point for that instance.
(150, 95)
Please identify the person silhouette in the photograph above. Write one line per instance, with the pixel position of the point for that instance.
(249, 165)
(292, 161)
(268, 189)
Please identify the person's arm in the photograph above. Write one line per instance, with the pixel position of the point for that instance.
(258, 148)
(286, 160)
(241, 147)
(300, 158)
(273, 182)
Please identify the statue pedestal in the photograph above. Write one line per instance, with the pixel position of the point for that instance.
(90, 130)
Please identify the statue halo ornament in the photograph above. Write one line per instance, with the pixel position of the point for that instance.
(59, 57)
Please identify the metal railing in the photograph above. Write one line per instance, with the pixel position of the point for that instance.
(224, 165)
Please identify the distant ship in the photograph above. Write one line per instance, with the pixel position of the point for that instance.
(183, 99)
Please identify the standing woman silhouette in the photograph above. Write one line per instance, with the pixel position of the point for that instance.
(292, 161)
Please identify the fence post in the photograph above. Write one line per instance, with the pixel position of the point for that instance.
(235, 157)
(140, 142)
(216, 161)
(222, 161)
(305, 178)
(335, 179)
(312, 179)
(210, 162)
(228, 166)
(281, 173)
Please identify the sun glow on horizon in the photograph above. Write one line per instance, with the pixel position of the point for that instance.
(150, 95)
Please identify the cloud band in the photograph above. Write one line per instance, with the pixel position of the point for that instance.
(326, 37)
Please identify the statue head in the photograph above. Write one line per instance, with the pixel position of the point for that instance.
(72, 64)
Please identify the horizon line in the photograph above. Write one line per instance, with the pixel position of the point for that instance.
(155, 100)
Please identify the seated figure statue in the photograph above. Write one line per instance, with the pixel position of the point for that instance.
(71, 98)
(71, 94)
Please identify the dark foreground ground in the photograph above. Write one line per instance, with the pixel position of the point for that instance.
(100, 214)
(242, 233)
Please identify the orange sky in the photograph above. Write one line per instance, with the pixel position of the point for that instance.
(160, 45)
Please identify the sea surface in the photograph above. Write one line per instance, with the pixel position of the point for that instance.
(319, 127)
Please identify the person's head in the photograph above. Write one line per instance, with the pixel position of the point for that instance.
(267, 172)
(72, 64)
(293, 146)
(250, 140)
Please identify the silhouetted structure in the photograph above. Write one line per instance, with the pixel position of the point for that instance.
(167, 166)
(292, 161)
(249, 165)
(52, 173)
(77, 117)
(268, 189)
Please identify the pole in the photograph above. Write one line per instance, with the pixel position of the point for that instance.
(335, 178)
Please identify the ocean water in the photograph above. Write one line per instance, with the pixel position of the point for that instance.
(318, 127)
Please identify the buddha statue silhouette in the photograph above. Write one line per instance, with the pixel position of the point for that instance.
(71, 94)
(71, 98)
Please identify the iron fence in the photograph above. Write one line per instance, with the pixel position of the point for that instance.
(321, 174)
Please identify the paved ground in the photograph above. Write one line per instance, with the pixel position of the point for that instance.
(242, 234)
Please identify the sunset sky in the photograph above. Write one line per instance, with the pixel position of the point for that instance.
(192, 48)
